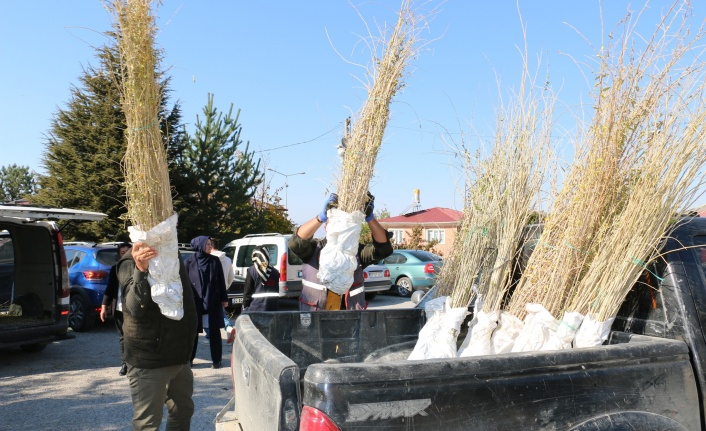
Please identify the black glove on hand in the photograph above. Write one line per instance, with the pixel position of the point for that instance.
(369, 206)
(331, 202)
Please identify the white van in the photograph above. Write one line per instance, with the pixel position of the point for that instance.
(287, 263)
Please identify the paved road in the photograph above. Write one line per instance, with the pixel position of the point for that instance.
(74, 384)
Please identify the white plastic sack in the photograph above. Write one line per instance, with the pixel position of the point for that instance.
(509, 327)
(434, 309)
(592, 333)
(480, 337)
(439, 340)
(163, 277)
(478, 305)
(535, 332)
(338, 260)
(565, 332)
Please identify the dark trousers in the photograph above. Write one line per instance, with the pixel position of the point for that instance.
(152, 388)
(215, 343)
(118, 317)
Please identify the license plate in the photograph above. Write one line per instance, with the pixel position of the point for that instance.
(375, 274)
(234, 301)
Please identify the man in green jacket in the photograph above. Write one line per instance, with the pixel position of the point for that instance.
(157, 349)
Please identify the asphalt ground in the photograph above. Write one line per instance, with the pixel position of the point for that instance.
(74, 384)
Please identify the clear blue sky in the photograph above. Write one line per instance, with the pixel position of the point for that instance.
(275, 60)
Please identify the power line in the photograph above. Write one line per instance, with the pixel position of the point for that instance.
(302, 142)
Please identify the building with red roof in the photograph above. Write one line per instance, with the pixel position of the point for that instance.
(437, 223)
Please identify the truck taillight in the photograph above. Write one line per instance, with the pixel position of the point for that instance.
(365, 275)
(315, 420)
(429, 268)
(283, 267)
(95, 275)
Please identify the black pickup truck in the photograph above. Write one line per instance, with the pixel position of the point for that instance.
(348, 370)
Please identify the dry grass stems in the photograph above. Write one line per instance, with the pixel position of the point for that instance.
(502, 192)
(634, 95)
(667, 179)
(387, 76)
(149, 199)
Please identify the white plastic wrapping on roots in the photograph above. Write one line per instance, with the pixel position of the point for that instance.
(338, 260)
(438, 337)
(163, 277)
(592, 333)
(565, 332)
(539, 323)
(504, 336)
(481, 332)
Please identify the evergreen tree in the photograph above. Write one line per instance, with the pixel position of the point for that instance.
(223, 177)
(16, 182)
(85, 147)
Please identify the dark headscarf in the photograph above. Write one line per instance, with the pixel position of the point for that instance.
(202, 258)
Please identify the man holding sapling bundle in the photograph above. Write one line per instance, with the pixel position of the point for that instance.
(302, 243)
(157, 349)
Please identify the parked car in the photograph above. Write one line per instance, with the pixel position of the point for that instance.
(34, 281)
(376, 278)
(89, 265)
(412, 270)
(288, 264)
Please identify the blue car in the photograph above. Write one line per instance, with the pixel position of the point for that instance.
(89, 266)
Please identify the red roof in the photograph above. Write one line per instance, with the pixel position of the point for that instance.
(701, 210)
(431, 215)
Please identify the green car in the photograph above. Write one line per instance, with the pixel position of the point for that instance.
(412, 270)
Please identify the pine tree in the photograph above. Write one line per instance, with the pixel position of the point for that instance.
(85, 147)
(16, 182)
(223, 176)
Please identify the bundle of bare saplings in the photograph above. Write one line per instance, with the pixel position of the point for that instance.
(386, 75)
(149, 199)
(637, 164)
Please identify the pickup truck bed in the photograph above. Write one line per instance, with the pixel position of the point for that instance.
(328, 371)
(360, 357)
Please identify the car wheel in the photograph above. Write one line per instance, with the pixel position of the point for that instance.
(369, 296)
(404, 286)
(80, 318)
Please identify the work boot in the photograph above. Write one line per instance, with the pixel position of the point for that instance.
(123, 369)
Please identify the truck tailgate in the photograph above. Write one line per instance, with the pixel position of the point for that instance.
(647, 379)
(265, 381)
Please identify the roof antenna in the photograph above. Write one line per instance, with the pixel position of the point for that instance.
(415, 206)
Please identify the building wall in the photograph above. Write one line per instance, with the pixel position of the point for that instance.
(443, 249)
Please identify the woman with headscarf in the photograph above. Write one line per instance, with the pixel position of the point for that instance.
(206, 275)
(261, 291)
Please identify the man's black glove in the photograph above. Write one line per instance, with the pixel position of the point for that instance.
(369, 206)
(331, 202)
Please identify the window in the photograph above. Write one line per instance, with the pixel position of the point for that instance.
(436, 235)
(397, 235)
(245, 254)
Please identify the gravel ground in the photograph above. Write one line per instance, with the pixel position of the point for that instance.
(74, 384)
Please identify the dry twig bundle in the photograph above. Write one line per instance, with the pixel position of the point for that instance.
(387, 76)
(632, 91)
(149, 199)
(502, 193)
